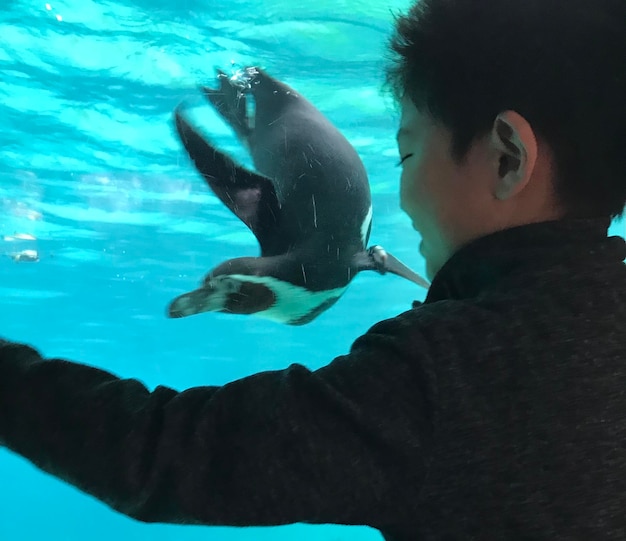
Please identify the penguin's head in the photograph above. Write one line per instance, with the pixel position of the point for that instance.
(248, 293)
(232, 294)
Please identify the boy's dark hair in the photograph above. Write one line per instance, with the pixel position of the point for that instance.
(561, 64)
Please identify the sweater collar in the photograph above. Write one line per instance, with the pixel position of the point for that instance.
(525, 249)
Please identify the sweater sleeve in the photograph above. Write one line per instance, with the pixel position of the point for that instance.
(327, 446)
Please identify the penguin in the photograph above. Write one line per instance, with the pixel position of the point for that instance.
(308, 204)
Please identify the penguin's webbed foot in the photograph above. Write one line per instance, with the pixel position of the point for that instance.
(242, 79)
(229, 99)
(379, 258)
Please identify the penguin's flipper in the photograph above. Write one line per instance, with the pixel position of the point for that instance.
(378, 259)
(250, 196)
(230, 102)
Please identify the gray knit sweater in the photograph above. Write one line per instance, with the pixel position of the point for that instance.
(494, 410)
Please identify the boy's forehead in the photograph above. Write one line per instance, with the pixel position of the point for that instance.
(407, 109)
(411, 119)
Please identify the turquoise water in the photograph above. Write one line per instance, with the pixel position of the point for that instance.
(91, 170)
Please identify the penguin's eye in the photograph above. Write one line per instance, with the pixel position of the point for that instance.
(402, 160)
(230, 286)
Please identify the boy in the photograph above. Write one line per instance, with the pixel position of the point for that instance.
(495, 410)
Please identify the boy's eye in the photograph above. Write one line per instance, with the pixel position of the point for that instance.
(402, 160)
